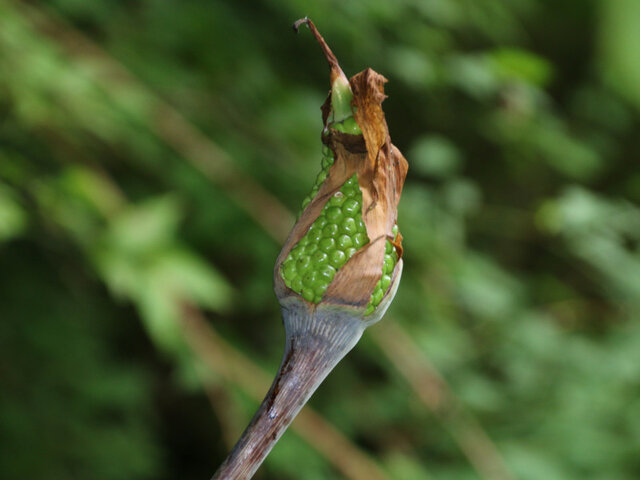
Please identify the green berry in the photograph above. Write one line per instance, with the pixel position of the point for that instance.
(289, 267)
(348, 125)
(388, 248)
(308, 294)
(348, 226)
(303, 264)
(330, 230)
(344, 242)
(327, 245)
(360, 239)
(310, 278)
(315, 234)
(296, 284)
(322, 176)
(337, 258)
(319, 259)
(351, 127)
(296, 252)
(320, 289)
(337, 199)
(310, 248)
(320, 222)
(350, 207)
(327, 273)
(388, 265)
(334, 214)
(376, 296)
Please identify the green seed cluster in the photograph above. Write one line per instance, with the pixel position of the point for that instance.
(334, 237)
(388, 265)
(327, 161)
(348, 125)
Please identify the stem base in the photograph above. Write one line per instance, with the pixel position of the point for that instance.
(316, 340)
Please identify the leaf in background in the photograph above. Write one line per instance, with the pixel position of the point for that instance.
(88, 184)
(601, 232)
(13, 218)
(180, 273)
(415, 67)
(472, 74)
(141, 259)
(435, 156)
(521, 65)
(618, 44)
(146, 227)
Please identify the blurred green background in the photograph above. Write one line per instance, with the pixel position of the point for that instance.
(151, 156)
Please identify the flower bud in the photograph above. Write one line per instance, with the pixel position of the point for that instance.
(345, 251)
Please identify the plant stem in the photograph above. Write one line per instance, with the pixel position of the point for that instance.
(341, 96)
(315, 342)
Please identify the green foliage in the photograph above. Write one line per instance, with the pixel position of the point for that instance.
(12, 214)
(71, 403)
(520, 220)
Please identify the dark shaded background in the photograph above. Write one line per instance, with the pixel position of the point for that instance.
(152, 154)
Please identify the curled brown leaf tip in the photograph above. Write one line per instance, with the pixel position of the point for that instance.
(336, 71)
(300, 21)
